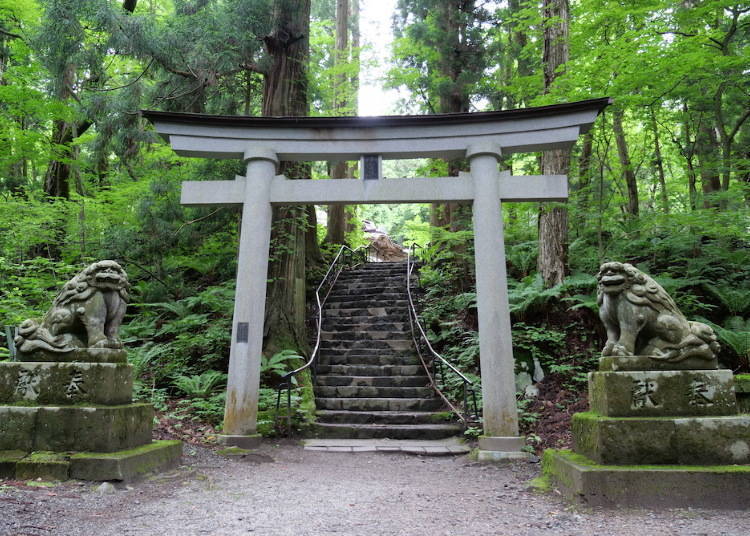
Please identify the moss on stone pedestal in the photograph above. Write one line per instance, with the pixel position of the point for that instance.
(698, 486)
(44, 465)
(742, 390)
(17, 428)
(662, 440)
(662, 393)
(65, 383)
(126, 464)
(75, 428)
(8, 460)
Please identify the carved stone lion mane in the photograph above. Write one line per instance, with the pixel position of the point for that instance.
(642, 319)
(86, 313)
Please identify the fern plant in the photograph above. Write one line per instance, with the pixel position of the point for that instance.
(276, 365)
(201, 386)
(735, 334)
(735, 300)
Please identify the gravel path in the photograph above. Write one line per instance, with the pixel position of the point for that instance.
(282, 489)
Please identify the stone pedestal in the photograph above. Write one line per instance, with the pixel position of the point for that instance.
(61, 420)
(657, 437)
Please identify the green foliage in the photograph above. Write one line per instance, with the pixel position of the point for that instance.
(202, 385)
(734, 334)
(278, 364)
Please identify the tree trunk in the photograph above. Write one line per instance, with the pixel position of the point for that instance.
(553, 220)
(584, 170)
(58, 175)
(337, 213)
(627, 167)
(659, 161)
(336, 229)
(709, 162)
(285, 94)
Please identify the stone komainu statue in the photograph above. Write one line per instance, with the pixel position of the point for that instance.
(642, 319)
(86, 314)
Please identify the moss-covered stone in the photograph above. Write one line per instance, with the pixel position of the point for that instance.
(65, 383)
(637, 441)
(75, 428)
(126, 464)
(650, 486)
(742, 383)
(17, 428)
(8, 460)
(662, 393)
(742, 390)
(94, 429)
(646, 362)
(44, 465)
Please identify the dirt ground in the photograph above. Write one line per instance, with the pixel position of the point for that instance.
(282, 489)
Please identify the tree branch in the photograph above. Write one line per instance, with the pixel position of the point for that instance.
(125, 85)
(11, 34)
(739, 123)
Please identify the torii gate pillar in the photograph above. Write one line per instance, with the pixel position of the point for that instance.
(495, 347)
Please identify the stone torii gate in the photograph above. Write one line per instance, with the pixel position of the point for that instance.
(262, 142)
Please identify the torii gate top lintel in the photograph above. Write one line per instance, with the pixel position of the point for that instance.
(480, 137)
(393, 137)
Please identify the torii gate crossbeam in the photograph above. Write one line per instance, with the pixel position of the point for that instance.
(480, 137)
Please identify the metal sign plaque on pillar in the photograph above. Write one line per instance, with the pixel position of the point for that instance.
(480, 137)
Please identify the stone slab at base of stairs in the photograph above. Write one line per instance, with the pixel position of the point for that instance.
(441, 447)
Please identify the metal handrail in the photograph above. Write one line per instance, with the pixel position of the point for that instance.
(287, 379)
(437, 359)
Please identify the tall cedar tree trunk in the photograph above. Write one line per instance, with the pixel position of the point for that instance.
(354, 81)
(584, 171)
(659, 164)
(285, 94)
(455, 99)
(627, 166)
(59, 170)
(339, 170)
(553, 219)
(688, 152)
(708, 160)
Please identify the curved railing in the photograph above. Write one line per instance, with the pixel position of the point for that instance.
(437, 365)
(345, 258)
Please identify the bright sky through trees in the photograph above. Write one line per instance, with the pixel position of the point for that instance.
(376, 27)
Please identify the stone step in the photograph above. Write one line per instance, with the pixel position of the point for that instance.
(389, 313)
(341, 325)
(384, 417)
(398, 345)
(379, 404)
(364, 335)
(349, 391)
(371, 274)
(370, 370)
(372, 381)
(376, 297)
(388, 295)
(369, 359)
(352, 302)
(354, 285)
(390, 431)
(379, 266)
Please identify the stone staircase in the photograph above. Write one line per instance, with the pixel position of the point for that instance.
(370, 383)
